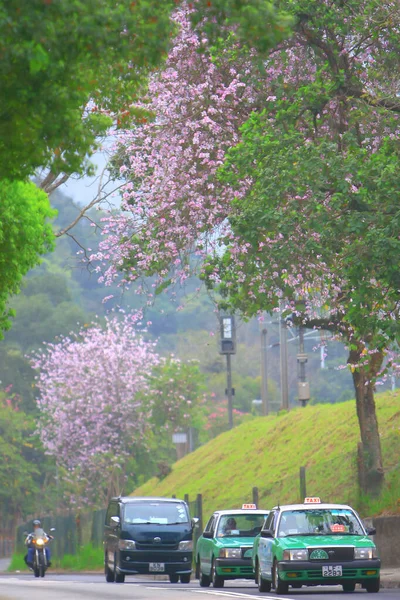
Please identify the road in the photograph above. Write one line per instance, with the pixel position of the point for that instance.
(93, 587)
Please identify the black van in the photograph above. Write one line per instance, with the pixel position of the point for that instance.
(148, 535)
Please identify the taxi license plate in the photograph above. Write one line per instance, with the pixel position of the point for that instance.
(157, 567)
(331, 570)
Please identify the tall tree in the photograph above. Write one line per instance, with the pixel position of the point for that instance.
(317, 225)
(311, 187)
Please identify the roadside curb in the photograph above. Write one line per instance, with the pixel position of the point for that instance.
(390, 584)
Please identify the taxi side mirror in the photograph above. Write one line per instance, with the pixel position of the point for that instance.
(267, 533)
(208, 535)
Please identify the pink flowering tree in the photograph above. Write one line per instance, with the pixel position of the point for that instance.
(305, 210)
(90, 413)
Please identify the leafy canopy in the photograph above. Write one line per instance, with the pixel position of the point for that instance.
(67, 67)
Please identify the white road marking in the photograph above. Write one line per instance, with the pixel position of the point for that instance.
(238, 595)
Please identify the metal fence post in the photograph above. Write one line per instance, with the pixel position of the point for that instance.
(200, 510)
(303, 492)
(255, 496)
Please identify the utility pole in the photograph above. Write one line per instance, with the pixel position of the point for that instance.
(264, 372)
(283, 364)
(229, 389)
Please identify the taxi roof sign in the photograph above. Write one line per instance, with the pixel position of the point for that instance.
(249, 506)
(312, 500)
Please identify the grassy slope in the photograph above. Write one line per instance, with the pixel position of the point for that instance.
(268, 451)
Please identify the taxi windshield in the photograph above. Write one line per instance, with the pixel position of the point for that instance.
(240, 525)
(317, 521)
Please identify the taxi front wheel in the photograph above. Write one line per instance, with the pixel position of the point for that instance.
(281, 587)
(263, 584)
(373, 586)
(217, 580)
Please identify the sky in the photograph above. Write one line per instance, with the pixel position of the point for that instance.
(83, 189)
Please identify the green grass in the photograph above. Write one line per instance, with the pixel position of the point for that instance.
(88, 559)
(267, 452)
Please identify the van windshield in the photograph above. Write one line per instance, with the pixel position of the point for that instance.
(156, 513)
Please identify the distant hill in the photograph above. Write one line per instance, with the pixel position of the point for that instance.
(268, 451)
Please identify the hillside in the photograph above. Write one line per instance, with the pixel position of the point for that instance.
(268, 451)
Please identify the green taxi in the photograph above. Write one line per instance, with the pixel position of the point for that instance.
(315, 544)
(224, 549)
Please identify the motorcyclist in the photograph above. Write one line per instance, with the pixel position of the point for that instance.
(37, 527)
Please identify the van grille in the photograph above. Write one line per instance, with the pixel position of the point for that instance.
(162, 546)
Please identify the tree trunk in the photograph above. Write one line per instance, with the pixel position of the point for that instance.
(370, 468)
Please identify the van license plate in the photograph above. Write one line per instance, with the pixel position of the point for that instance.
(157, 567)
(331, 570)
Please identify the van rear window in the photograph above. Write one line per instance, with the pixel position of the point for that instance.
(155, 513)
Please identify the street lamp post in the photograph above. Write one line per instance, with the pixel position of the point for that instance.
(228, 347)
(283, 355)
(303, 386)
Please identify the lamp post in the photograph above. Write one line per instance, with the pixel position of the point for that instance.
(228, 347)
(303, 387)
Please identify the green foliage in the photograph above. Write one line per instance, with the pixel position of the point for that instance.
(262, 453)
(54, 58)
(176, 400)
(256, 22)
(24, 236)
(18, 447)
(88, 558)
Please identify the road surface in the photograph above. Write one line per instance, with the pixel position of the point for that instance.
(93, 587)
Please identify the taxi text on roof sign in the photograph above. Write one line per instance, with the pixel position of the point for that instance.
(249, 506)
(312, 500)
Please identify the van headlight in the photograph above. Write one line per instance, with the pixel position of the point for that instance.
(230, 553)
(365, 553)
(186, 545)
(126, 545)
(297, 554)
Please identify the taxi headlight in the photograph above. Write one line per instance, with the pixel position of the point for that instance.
(230, 553)
(186, 545)
(365, 553)
(126, 545)
(297, 554)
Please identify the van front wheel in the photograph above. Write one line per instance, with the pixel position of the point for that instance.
(107, 571)
(185, 578)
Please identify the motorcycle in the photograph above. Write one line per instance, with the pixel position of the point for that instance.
(39, 539)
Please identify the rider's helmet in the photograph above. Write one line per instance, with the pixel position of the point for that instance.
(37, 523)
